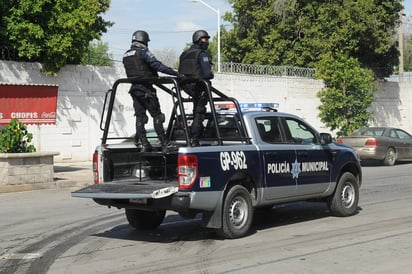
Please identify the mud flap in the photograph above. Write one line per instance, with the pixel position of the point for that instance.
(213, 219)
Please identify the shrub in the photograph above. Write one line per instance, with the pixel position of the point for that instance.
(14, 138)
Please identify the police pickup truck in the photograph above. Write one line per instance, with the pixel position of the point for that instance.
(246, 160)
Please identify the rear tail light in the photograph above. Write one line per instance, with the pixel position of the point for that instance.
(339, 141)
(372, 142)
(187, 170)
(95, 168)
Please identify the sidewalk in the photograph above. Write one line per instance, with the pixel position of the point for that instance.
(71, 174)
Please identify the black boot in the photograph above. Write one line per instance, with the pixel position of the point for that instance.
(146, 146)
(137, 141)
(166, 144)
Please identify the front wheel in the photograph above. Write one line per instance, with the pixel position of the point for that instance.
(145, 220)
(344, 202)
(237, 213)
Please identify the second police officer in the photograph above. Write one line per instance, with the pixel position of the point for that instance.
(195, 64)
(138, 61)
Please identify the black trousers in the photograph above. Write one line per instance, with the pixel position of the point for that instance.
(145, 99)
(199, 97)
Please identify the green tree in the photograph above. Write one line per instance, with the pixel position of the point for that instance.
(54, 33)
(408, 53)
(298, 33)
(97, 55)
(349, 42)
(347, 95)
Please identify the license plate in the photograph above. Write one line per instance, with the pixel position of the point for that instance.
(138, 201)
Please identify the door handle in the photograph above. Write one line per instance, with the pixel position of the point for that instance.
(270, 153)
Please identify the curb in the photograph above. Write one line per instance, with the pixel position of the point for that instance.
(41, 186)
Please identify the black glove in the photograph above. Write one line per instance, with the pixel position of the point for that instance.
(181, 77)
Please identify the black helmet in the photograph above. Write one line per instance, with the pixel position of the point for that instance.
(199, 34)
(140, 36)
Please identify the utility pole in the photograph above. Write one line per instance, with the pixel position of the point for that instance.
(400, 41)
(217, 11)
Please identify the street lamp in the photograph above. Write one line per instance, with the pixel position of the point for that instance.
(217, 11)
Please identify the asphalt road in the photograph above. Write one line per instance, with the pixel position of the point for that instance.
(48, 231)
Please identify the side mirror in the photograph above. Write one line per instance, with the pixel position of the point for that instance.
(325, 138)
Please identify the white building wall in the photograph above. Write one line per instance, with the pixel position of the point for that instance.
(393, 105)
(82, 90)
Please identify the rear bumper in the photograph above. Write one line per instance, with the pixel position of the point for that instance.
(373, 153)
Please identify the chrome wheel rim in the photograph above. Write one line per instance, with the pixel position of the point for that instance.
(391, 156)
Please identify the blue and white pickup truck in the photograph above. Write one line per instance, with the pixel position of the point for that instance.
(247, 159)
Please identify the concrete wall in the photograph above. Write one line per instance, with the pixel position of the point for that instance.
(393, 105)
(82, 90)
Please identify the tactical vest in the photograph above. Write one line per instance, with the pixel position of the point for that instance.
(189, 64)
(134, 65)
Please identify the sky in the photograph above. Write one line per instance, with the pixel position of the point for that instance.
(170, 23)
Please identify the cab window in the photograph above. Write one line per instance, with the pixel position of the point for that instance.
(270, 130)
(228, 125)
(300, 133)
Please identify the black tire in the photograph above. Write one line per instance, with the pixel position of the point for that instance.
(390, 157)
(237, 213)
(145, 220)
(344, 202)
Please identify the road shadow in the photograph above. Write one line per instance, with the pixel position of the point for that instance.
(290, 213)
(376, 163)
(174, 228)
(72, 175)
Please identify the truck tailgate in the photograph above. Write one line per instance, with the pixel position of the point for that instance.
(127, 190)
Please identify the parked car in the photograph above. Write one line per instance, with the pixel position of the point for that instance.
(385, 144)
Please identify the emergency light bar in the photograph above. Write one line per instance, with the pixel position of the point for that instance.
(248, 106)
(258, 106)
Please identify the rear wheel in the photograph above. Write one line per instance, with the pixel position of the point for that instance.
(237, 213)
(344, 202)
(145, 220)
(390, 157)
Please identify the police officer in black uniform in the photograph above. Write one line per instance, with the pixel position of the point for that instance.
(138, 61)
(195, 64)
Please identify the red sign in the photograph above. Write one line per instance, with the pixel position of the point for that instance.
(30, 104)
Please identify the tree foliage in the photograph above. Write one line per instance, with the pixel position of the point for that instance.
(347, 95)
(349, 42)
(97, 55)
(53, 32)
(408, 53)
(298, 33)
